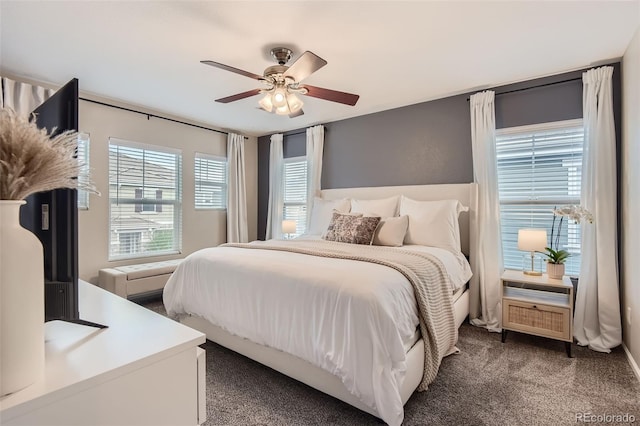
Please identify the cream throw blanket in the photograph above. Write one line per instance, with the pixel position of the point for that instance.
(424, 271)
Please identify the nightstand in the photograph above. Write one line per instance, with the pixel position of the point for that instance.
(537, 305)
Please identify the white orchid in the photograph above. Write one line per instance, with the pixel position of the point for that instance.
(575, 213)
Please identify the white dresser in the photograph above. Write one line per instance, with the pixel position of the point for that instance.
(145, 369)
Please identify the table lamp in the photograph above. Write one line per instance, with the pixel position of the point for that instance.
(288, 227)
(532, 240)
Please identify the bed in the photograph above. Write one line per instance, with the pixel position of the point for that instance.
(252, 299)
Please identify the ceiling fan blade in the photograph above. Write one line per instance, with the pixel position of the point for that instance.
(304, 66)
(331, 95)
(238, 96)
(296, 114)
(232, 69)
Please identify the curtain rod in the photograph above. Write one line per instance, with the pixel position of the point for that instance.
(301, 132)
(537, 86)
(149, 115)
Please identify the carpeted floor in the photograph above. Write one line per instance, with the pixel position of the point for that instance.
(525, 381)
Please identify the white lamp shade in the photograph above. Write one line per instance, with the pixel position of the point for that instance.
(283, 110)
(294, 102)
(532, 239)
(288, 226)
(266, 103)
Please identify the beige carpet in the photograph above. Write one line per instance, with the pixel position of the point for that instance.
(525, 381)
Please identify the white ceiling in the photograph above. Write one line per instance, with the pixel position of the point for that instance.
(390, 53)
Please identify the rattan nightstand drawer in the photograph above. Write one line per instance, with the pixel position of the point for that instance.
(535, 318)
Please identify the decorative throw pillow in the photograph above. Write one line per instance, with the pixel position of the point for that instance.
(391, 231)
(321, 213)
(351, 228)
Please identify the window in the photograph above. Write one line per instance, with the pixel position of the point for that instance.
(539, 168)
(83, 158)
(295, 192)
(152, 208)
(145, 197)
(211, 182)
(129, 242)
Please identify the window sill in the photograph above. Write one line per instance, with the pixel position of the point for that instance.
(145, 255)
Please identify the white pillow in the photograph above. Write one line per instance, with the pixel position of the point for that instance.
(433, 223)
(385, 207)
(322, 211)
(391, 231)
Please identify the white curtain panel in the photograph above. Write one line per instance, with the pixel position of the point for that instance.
(315, 146)
(597, 310)
(23, 98)
(485, 305)
(276, 195)
(237, 230)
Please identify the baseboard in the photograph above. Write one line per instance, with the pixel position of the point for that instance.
(632, 362)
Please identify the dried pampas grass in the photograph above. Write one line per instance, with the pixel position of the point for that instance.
(31, 161)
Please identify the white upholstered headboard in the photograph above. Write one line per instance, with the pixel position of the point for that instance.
(466, 193)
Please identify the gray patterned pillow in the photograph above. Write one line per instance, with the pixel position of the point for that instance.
(351, 228)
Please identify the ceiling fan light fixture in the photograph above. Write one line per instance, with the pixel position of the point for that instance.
(266, 103)
(283, 110)
(279, 97)
(295, 104)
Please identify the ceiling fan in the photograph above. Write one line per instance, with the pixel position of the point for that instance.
(283, 83)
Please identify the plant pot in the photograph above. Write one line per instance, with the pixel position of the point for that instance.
(21, 302)
(555, 270)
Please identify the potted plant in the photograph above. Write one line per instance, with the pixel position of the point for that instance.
(557, 257)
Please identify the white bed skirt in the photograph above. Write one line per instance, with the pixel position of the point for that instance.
(316, 377)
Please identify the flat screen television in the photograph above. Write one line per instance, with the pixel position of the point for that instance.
(53, 217)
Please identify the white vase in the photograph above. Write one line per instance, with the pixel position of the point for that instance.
(555, 270)
(21, 302)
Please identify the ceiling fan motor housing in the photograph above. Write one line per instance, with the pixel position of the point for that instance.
(275, 69)
(281, 54)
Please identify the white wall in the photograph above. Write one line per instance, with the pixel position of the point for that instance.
(200, 228)
(630, 274)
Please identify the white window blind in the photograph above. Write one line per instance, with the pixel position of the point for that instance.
(295, 192)
(145, 197)
(211, 182)
(83, 158)
(539, 168)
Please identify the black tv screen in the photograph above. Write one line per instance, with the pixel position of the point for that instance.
(53, 215)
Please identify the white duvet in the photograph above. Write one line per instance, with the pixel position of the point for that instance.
(352, 319)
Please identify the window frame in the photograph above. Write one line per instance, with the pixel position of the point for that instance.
(176, 202)
(571, 231)
(300, 226)
(224, 185)
(84, 140)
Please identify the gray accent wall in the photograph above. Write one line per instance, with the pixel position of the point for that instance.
(557, 98)
(426, 143)
(416, 144)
